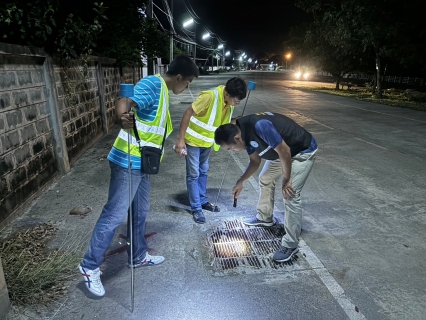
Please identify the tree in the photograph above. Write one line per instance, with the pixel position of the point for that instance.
(69, 29)
(379, 25)
(309, 42)
(58, 28)
(129, 33)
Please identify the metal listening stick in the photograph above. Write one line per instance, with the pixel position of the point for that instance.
(251, 85)
(127, 91)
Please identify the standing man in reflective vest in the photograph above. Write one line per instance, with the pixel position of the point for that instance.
(211, 109)
(151, 119)
(290, 152)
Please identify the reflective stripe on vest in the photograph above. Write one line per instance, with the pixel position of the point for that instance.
(150, 133)
(203, 125)
(199, 136)
(264, 151)
(201, 133)
(125, 136)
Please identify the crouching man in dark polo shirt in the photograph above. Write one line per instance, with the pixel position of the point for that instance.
(289, 151)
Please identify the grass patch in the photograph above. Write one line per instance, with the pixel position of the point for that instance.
(393, 98)
(35, 274)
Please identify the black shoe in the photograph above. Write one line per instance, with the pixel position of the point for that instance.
(285, 254)
(199, 217)
(256, 222)
(210, 207)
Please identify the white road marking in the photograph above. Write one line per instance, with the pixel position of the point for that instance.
(373, 144)
(321, 271)
(321, 124)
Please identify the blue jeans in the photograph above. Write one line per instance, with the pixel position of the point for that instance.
(114, 213)
(197, 165)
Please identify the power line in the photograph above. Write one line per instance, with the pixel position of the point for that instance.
(190, 10)
(188, 37)
(156, 18)
(169, 16)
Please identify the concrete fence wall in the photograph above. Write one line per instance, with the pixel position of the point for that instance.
(4, 296)
(50, 113)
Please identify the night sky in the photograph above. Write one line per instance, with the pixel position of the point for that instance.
(254, 29)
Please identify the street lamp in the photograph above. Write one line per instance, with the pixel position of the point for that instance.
(207, 35)
(187, 23)
(287, 56)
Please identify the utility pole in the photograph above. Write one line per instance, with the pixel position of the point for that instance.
(171, 47)
(213, 56)
(150, 59)
(223, 57)
(195, 45)
(171, 33)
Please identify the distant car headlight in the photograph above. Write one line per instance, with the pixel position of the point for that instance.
(298, 75)
(305, 75)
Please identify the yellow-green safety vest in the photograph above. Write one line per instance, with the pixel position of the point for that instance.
(150, 133)
(201, 130)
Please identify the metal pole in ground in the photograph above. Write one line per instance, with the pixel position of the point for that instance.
(127, 91)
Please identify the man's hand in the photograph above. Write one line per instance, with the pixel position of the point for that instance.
(180, 145)
(287, 189)
(236, 190)
(252, 166)
(126, 120)
(184, 123)
(125, 117)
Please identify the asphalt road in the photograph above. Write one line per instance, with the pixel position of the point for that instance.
(363, 239)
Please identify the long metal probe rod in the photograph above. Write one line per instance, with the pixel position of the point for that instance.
(223, 178)
(132, 271)
(245, 103)
(229, 157)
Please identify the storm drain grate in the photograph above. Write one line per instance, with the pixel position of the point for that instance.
(234, 245)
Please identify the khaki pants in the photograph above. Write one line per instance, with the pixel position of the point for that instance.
(301, 166)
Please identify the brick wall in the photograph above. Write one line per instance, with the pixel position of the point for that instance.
(79, 106)
(50, 114)
(27, 160)
(111, 86)
(4, 296)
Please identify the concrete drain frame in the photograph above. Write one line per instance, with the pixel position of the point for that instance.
(237, 248)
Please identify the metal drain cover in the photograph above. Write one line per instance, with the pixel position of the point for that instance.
(236, 247)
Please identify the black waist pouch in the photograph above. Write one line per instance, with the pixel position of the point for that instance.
(150, 158)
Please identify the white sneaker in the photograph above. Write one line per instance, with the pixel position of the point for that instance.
(149, 261)
(92, 278)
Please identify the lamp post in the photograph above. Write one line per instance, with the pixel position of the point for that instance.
(171, 34)
(223, 59)
(204, 37)
(150, 61)
(221, 46)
